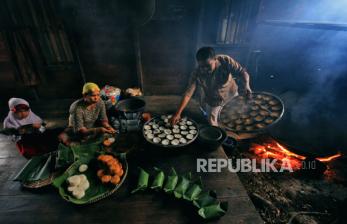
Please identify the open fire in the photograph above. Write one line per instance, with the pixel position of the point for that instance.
(271, 149)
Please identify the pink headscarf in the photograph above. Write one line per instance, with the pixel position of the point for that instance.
(12, 122)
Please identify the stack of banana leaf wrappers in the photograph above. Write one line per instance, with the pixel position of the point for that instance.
(57, 167)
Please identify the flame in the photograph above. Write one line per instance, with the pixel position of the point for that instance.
(328, 159)
(273, 150)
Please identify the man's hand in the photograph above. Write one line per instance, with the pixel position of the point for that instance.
(248, 91)
(175, 119)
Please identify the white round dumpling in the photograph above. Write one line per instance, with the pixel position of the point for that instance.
(150, 136)
(190, 136)
(155, 126)
(78, 193)
(189, 123)
(183, 127)
(147, 132)
(150, 123)
(193, 132)
(167, 131)
(166, 120)
(165, 142)
(74, 180)
(176, 131)
(147, 127)
(82, 168)
(184, 118)
(175, 142)
(71, 188)
(156, 140)
(184, 132)
(178, 136)
(169, 116)
(170, 137)
(112, 140)
(192, 127)
(176, 126)
(183, 140)
(182, 123)
(156, 131)
(161, 128)
(162, 135)
(84, 185)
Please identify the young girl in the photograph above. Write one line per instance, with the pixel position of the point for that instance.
(20, 114)
(34, 143)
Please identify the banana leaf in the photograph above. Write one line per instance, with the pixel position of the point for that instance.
(142, 181)
(193, 192)
(213, 211)
(37, 168)
(182, 186)
(64, 157)
(171, 181)
(158, 180)
(97, 190)
(206, 199)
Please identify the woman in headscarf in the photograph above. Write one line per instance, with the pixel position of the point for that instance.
(87, 116)
(20, 114)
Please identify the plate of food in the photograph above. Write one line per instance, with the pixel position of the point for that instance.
(87, 181)
(158, 131)
(257, 113)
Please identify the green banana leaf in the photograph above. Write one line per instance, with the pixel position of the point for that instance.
(193, 192)
(205, 199)
(142, 181)
(37, 168)
(171, 181)
(97, 190)
(182, 186)
(213, 211)
(158, 180)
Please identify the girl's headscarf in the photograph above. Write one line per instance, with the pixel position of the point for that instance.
(12, 122)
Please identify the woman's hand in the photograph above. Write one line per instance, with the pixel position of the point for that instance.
(108, 130)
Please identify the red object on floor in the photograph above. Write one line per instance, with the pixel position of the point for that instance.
(39, 143)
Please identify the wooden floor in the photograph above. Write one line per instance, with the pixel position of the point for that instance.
(18, 205)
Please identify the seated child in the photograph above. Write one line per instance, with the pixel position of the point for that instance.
(20, 114)
(30, 144)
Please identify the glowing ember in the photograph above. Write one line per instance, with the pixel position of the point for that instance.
(328, 159)
(273, 150)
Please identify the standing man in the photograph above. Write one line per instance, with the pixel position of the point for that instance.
(214, 76)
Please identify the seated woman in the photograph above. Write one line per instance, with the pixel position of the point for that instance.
(31, 143)
(88, 117)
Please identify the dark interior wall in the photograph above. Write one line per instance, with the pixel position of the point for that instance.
(168, 43)
(102, 33)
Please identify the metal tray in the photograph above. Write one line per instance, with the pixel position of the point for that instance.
(256, 130)
(158, 119)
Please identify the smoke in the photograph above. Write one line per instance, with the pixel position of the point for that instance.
(309, 62)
